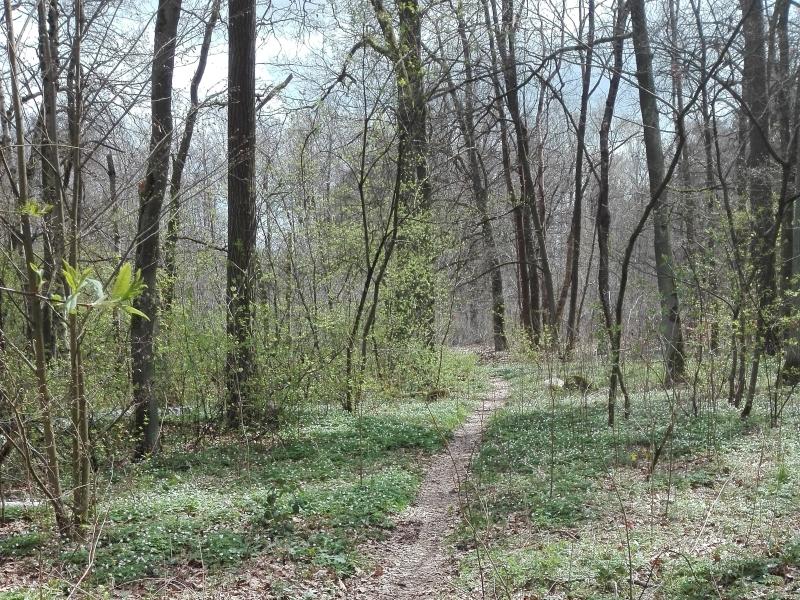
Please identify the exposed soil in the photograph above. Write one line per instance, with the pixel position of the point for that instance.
(416, 562)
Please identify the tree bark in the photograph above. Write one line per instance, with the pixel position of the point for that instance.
(50, 484)
(577, 211)
(528, 305)
(508, 56)
(52, 194)
(415, 299)
(671, 331)
(147, 247)
(604, 212)
(755, 93)
(466, 118)
(242, 218)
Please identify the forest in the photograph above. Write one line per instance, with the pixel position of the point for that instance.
(386, 299)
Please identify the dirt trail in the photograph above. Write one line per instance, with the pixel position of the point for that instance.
(415, 561)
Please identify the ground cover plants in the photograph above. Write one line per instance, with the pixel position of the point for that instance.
(329, 481)
(562, 506)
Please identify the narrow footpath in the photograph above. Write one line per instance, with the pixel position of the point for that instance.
(415, 562)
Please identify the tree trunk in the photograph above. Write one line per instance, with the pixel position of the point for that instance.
(179, 162)
(81, 468)
(528, 311)
(671, 332)
(242, 218)
(146, 417)
(466, 118)
(50, 484)
(755, 93)
(508, 56)
(604, 212)
(759, 189)
(572, 317)
(416, 298)
(790, 241)
(52, 194)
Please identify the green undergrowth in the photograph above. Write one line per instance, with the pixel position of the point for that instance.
(561, 505)
(328, 482)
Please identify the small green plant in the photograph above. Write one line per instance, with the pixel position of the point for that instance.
(22, 544)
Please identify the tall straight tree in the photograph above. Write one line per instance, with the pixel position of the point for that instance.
(671, 331)
(179, 162)
(240, 292)
(151, 191)
(586, 80)
(755, 93)
(604, 210)
(52, 193)
(528, 302)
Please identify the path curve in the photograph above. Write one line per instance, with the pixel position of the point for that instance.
(415, 562)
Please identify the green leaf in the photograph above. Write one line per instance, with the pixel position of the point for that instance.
(71, 276)
(33, 209)
(122, 284)
(39, 272)
(134, 311)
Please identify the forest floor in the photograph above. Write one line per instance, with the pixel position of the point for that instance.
(563, 506)
(506, 488)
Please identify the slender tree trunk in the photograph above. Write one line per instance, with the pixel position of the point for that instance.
(532, 268)
(52, 195)
(712, 200)
(146, 414)
(81, 452)
(755, 93)
(529, 312)
(508, 57)
(604, 212)
(671, 332)
(689, 214)
(466, 118)
(179, 162)
(242, 218)
(577, 211)
(51, 483)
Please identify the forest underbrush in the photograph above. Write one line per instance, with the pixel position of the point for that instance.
(279, 510)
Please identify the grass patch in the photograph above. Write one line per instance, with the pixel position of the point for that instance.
(739, 576)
